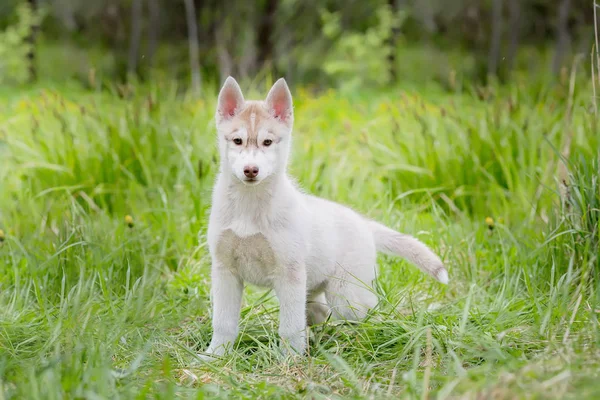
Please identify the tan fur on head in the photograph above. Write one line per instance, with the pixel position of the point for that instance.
(253, 116)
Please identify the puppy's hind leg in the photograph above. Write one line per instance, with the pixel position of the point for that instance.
(351, 300)
(317, 309)
(350, 293)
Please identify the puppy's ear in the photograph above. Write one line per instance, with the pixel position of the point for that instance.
(231, 100)
(279, 102)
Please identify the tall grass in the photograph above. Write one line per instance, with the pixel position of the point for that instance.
(92, 305)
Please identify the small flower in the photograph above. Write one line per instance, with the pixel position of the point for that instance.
(129, 221)
(2, 236)
(489, 221)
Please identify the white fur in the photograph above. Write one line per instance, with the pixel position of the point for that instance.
(268, 233)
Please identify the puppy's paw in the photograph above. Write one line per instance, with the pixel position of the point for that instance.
(207, 357)
(286, 352)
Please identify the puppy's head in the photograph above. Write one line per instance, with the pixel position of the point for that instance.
(254, 136)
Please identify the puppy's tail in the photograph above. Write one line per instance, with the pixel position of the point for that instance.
(410, 248)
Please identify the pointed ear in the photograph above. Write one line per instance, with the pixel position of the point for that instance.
(279, 101)
(231, 99)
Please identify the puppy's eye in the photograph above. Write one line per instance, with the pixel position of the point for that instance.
(237, 141)
(267, 142)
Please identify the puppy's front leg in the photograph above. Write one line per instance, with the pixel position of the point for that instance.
(290, 289)
(227, 292)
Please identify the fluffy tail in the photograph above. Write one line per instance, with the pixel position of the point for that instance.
(410, 248)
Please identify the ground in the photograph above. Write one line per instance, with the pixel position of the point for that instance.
(104, 271)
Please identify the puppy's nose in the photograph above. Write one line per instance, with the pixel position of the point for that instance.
(251, 171)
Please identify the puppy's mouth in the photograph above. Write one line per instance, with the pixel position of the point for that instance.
(250, 181)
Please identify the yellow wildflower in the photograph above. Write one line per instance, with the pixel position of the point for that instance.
(129, 221)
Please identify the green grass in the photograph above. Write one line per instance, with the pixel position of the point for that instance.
(93, 308)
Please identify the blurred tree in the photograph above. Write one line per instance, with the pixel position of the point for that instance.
(31, 41)
(360, 58)
(496, 40)
(17, 41)
(153, 30)
(135, 36)
(395, 6)
(287, 36)
(514, 7)
(265, 32)
(192, 25)
(563, 37)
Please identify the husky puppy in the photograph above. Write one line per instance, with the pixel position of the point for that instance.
(318, 256)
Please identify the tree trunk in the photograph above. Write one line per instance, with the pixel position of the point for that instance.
(563, 37)
(394, 6)
(31, 41)
(135, 37)
(222, 37)
(225, 60)
(192, 26)
(63, 9)
(424, 12)
(596, 40)
(265, 33)
(154, 30)
(247, 62)
(496, 40)
(514, 7)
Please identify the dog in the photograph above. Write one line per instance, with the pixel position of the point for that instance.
(318, 256)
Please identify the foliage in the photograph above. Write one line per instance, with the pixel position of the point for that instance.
(360, 59)
(294, 40)
(15, 46)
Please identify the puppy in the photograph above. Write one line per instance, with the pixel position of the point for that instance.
(319, 257)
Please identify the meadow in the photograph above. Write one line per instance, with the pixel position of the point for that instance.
(104, 269)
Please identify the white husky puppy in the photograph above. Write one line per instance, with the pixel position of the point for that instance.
(319, 257)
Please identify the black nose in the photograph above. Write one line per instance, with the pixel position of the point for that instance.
(251, 171)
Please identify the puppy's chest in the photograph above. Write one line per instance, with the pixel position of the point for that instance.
(250, 257)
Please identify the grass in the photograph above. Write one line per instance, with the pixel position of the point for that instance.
(95, 304)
